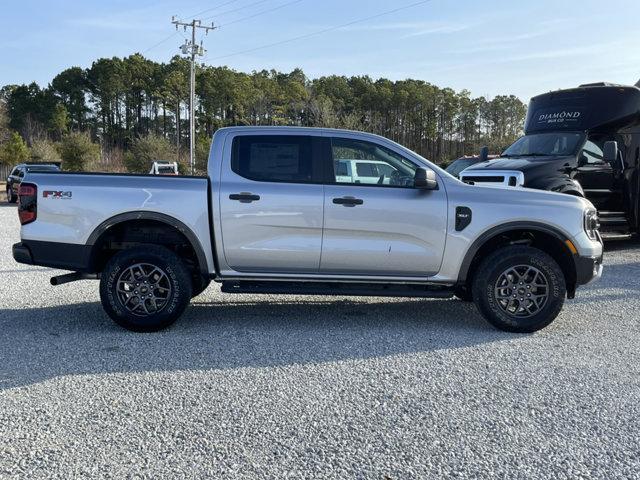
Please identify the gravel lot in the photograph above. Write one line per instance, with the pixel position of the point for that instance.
(315, 387)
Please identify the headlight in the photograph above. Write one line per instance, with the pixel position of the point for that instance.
(591, 224)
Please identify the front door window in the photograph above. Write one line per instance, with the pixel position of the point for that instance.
(363, 163)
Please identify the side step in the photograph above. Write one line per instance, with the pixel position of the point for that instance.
(329, 288)
(614, 226)
(615, 236)
(613, 219)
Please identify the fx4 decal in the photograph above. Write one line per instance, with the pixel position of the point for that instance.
(56, 194)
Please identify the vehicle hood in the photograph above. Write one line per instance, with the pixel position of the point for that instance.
(535, 169)
(524, 164)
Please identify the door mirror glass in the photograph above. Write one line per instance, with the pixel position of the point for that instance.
(425, 179)
(610, 152)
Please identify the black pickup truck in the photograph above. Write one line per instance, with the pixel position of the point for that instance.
(583, 141)
(18, 172)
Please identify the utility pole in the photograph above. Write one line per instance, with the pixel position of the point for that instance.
(192, 49)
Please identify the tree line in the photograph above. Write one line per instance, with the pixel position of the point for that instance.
(121, 112)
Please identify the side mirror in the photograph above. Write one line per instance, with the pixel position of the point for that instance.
(484, 154)
(425, 179)
(610, 152)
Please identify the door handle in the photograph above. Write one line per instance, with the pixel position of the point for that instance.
(348, 201)
(244, 197)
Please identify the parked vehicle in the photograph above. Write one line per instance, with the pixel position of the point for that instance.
(275, 216)
(17, 174)
(164, 168)
(584, 142)
(458, 165)
(366, 171)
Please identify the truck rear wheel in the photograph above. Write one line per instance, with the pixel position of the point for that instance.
(519, 289)
(145, 289)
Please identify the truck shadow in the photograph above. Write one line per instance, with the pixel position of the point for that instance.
(622, 245)
(48, 343)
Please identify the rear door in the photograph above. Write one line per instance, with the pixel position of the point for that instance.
(384, 227)
(271, 203)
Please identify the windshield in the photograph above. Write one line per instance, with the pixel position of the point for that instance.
(458, 165)
(42, 168)
(545, 144)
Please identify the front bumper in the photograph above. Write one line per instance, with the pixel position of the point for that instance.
(588, 269)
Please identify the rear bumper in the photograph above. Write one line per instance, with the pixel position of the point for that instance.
(66, 256)
(22, 254)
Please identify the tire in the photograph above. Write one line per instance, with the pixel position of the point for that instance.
(11, 198)
(199, 285)
(129, 270)
(464, 294)
(494, 287)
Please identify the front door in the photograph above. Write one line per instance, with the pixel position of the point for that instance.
(600, 180)
(380, 225)
(271, 204)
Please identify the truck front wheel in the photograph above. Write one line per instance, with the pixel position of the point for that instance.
(519, 289)
(11, 198)
(198, 285)
(145, 289)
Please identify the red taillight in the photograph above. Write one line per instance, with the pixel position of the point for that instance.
(27, 190)
(27, 203)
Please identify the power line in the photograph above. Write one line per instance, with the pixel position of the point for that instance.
(260, 13)
(211, 9)
(226, 12)
(319, 32)
(160, 42)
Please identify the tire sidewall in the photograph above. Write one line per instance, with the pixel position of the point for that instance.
(484, 293)
(163, 259)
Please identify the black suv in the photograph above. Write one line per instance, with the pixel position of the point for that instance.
(17, 174)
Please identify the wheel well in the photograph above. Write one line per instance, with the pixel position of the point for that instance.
(545, 241)
(575, 193)
(132, 233)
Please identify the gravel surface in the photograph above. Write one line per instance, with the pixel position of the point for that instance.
(316, 387)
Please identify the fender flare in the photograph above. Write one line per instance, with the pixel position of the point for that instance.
(168, 220)
(497, 230)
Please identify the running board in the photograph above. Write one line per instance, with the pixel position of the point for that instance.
(329, 288)
(73, 277)
(615, 236)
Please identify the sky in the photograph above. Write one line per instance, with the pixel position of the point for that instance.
(490, 47)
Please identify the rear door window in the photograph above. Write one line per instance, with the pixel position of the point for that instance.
(277, 158)
(367, 169)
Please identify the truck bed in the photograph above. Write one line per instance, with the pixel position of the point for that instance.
(72, 207)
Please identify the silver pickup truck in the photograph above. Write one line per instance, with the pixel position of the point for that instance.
(275, 216)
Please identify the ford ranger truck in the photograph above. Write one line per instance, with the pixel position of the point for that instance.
(275, 216)
(583, 141)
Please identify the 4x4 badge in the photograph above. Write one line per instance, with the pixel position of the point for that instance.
(56, 194)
